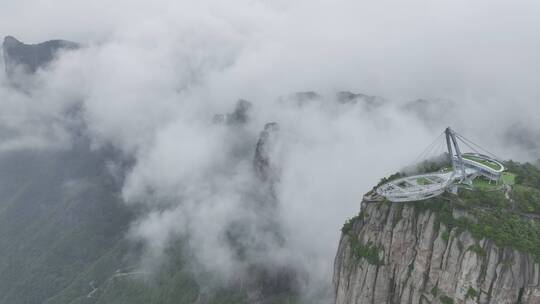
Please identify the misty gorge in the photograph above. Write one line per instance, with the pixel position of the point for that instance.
(269, 152)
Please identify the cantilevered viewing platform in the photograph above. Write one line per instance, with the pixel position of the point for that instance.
(464, 169)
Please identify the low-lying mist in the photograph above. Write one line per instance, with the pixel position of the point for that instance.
(152, 78)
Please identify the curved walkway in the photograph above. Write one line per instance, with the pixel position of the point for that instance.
(424, 186)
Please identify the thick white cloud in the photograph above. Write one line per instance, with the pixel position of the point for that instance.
(153, 74)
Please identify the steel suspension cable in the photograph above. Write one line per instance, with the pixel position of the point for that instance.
(428, 148)
(464, 139)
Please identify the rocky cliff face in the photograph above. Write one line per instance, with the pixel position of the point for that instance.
(397, 253)
(30, 57)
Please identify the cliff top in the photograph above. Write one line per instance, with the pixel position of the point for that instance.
(507, 213)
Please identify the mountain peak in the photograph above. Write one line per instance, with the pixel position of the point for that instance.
(10, 41)
(30, 57)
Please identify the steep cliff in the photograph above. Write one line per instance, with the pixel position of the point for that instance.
(30, 57)
(478, 247)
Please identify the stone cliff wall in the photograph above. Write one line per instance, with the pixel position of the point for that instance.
(394, 253)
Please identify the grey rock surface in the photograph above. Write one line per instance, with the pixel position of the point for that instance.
(424, 263)
(239, 116)
(262, 161)
(30, 57)
(369, 102)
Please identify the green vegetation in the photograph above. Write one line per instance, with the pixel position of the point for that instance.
(390, 178)
(526, 174)
(435, 291)
(51, 233)
(505, 230)
(485, 162)
(507, 213)
(438, 163)
(527, 199)
(446, 300)
(476, 248)
(59, 241)
(471, 293)
(508, 222)
(493, 220)
(423, 181)
(508, 178)
(348, 225)
(485, 184)
(525, 181)
(369, 252)
(445, 235)
(483, 197)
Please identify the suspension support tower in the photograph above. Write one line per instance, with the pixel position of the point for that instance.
(465, 168)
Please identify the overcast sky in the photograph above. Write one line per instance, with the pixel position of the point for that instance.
(153, 74)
